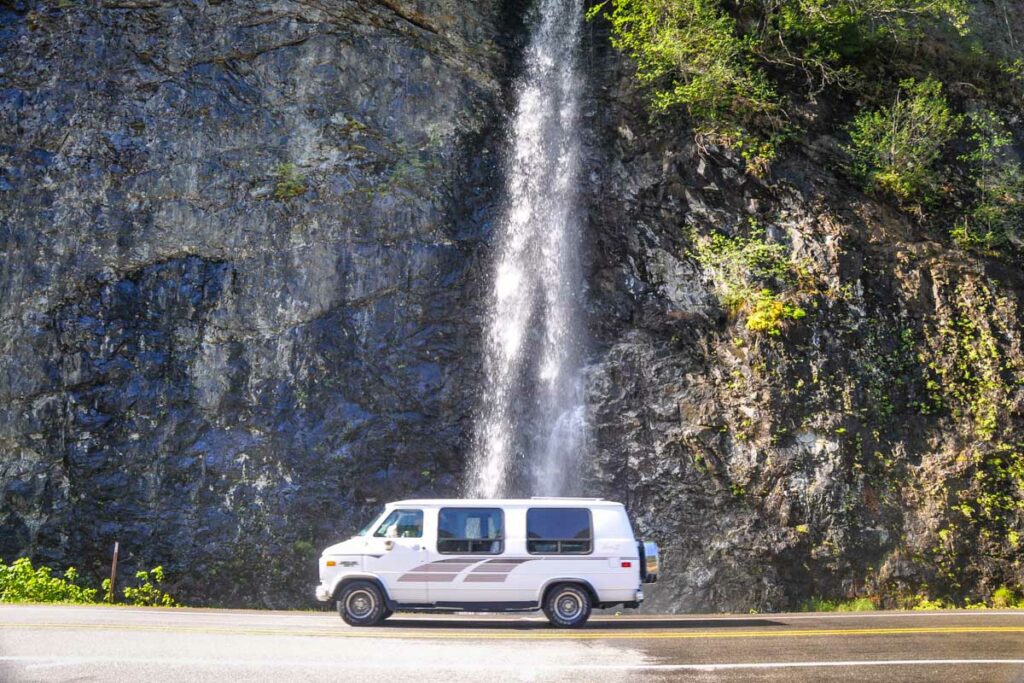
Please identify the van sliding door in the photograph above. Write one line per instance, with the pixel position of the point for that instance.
(468, 541)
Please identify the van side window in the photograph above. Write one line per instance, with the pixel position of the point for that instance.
(471, 530)
(401, 524)
(559, 531)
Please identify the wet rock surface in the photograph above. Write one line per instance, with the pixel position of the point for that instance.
(244, 249)
(238, 241)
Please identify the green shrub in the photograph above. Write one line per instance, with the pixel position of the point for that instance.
(996, 217)
(691, 53)
(824, 32)
(21, 582)
(726, 63)
(149, 592)
(768, 312)
(1006, 598)
(747, 272)
(290, 182)
(738, 264)
(897, 149)
(854, 605)
(925, 604)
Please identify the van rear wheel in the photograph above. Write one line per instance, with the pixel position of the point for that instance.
(361, 604)
(567, 605)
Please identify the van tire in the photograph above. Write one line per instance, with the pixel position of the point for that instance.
(361, 603)
(567, 605)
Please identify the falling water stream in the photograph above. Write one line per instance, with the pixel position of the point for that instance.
(531, 433)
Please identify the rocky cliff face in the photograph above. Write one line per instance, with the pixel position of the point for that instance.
(235, 283)
(243, 250)
(872, 448)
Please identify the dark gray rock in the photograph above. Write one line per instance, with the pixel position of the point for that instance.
(225, 362)
(222, 377)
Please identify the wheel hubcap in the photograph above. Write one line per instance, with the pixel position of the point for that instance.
(359, 604)
(569, 606)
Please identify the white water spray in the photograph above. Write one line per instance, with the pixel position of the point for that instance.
(532, 430)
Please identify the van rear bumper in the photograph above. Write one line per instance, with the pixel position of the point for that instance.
(636, 601)
(630, 599)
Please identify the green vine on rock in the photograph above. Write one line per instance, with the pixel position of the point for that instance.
(968, 375)
(290, 182)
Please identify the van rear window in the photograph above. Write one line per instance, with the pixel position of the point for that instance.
(477, 531)
(559, 531)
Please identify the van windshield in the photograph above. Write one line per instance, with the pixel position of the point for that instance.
(365, 531)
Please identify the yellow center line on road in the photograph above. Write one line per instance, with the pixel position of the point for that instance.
(549, 635)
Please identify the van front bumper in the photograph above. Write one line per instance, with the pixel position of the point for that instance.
(323, 593)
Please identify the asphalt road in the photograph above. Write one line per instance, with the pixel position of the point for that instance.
(47, 643)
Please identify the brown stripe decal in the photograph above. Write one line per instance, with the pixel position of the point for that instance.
(485, 578)
(509, 560)
(439, 571)
(427, 578)
(493, 570)
(442, 569)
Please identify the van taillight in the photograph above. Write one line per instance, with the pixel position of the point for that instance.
(627, 565)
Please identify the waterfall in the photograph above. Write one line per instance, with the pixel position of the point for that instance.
(531, 432)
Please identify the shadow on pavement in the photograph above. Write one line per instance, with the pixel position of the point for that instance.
(469, 624)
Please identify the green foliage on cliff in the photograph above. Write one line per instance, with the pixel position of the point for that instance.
(752, 276)
(996, 495)
(21, 582)
(899, 150)
(995, 219)
(744, 71)
(692, 53)
(970, 377)
(290, 182)
(1005, 597)
(768, 312)
(896, 149)
(729, 64)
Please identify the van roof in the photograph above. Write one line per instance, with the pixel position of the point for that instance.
(537, 501)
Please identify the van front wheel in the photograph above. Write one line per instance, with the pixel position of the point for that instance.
(361, 604)
(567, 605)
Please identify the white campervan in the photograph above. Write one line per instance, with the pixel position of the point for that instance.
(562, 555)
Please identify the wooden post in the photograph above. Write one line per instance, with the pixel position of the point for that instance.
(113, 573)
